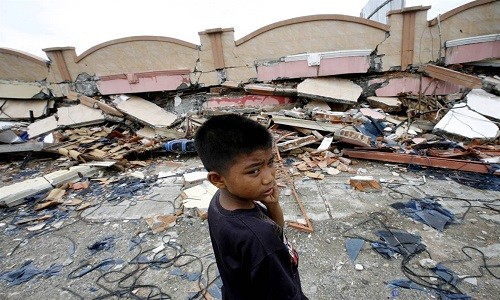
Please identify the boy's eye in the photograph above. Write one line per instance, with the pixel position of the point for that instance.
(256, 171)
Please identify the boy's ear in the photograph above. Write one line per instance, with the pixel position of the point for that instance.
(216, 179)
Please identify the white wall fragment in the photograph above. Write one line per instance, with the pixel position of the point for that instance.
(484, 103)
(462, 121)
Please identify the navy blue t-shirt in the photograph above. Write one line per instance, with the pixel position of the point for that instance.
(254, 259)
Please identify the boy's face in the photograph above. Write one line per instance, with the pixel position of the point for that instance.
(251, 177)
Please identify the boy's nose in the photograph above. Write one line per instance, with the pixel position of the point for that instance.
(268, 176)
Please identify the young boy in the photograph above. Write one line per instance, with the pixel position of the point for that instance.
(254, 259)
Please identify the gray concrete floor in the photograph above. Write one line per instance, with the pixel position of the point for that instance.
(335, 209)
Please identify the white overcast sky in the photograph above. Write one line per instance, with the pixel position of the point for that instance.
(31, 25)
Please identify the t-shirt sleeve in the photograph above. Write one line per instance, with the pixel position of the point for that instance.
(273, 278)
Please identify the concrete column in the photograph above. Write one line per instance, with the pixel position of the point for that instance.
(60, 58)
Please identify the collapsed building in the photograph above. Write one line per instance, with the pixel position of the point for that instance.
(330, 88)
(418, 70)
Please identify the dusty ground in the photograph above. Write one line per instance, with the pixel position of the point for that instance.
(136, 267)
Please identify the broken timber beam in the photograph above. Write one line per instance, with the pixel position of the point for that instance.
(436, 162)
(455, 77)
(307, 227)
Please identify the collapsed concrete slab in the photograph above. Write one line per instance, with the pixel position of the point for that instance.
(79, 115)
(42, 127)
(484, 103)
(144, 111)
(464, 122)
(23, 90)
(330, 89)
(20, 109)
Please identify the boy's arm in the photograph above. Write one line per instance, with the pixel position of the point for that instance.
(274, 208)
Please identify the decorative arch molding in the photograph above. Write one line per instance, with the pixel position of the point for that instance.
(329, 17)
(135, 39)
(458, 10)
(30, 57)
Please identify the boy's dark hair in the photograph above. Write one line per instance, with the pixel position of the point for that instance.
(222, 138)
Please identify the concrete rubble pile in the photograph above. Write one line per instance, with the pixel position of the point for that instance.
(320, 124)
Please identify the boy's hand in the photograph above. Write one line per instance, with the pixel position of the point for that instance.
(273, 206)
(273, 198)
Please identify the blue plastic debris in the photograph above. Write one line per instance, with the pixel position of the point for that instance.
(442, 294)
(189, 276)
(397, 241)
(406, 284)
(353, 247)
(426, 211)
(446, 274)
(27, 272)
(105, 244)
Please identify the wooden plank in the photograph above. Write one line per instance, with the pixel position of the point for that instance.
(455, 77)
(436, 162)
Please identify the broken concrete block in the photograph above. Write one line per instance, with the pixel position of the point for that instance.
(42, 127)
(368, 112)
(353, 137)
(190, 178)
(484, 103)
(325, 144)
(296, 143)
(330, 116)
(492, 84)
(145, 112)
(16, 193)
(387, 104)
(146, 132)
(330, 89)
(317, 105)
(199, 196)
(79, 115)
(464, 122)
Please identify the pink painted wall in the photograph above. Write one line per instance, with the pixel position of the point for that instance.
(143, 82)
(328, 66)
(247, 101)
(472, 52)
(412, 85)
